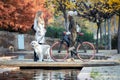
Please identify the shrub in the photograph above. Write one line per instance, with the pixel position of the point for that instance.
(87, 36)
(55, 32)
(114, 41)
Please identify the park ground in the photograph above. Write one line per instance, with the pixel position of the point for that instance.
(92, 73)
(102, 72)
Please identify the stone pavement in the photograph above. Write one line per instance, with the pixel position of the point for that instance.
(5, 68)
(102, 72)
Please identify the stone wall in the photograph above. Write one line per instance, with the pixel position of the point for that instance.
(8, 39)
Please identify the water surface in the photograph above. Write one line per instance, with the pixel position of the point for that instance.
(41, 74)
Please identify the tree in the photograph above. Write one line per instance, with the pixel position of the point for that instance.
(61, 7)
(95, 12)
(18, 15)
(115, 5)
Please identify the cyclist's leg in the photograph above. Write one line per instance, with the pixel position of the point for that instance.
(73, 37)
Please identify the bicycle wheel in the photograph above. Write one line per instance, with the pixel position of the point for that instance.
(86, 51)
(58, 53)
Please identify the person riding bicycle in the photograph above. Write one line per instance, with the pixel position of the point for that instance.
(71, 34)
(73, 28)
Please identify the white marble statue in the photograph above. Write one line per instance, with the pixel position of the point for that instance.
(39, 27)
(39, 46)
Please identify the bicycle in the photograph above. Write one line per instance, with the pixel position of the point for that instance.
(85, 51)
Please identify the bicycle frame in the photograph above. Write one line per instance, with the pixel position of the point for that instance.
(66, 39)
(63, 44)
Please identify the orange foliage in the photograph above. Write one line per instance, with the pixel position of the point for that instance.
(18, 15)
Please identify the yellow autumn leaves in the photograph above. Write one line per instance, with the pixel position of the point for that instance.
(112, 5)
(115, 4)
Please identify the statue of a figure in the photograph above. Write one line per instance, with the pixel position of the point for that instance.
(39, 27)
(40, 30)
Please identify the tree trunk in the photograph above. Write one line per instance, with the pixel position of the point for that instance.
(105, 35)
(115, 27)
(98, 24)
(66, 21)
(119, 36)
(101, 36)
(109, 35)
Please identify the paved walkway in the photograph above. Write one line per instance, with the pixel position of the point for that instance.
(103, 72)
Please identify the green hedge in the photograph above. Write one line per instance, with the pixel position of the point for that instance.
(87, 36)
(55, 32)
(114, 42)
